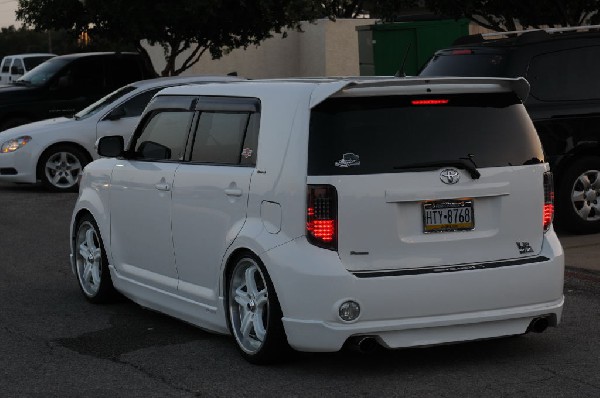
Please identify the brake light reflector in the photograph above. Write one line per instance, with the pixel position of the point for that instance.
(429, 102)
(462, 52)
(548, 200)
(321, 216)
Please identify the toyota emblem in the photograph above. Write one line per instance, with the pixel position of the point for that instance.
(449, 176)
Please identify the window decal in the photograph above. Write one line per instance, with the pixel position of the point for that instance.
(246, 153)
(348, 159)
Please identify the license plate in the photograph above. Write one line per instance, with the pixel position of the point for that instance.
(448, 215)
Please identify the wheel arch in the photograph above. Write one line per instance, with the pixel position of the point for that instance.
(566, 161)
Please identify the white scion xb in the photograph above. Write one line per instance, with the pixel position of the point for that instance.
(312, 213)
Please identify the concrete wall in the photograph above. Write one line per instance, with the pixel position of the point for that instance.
(323, 48)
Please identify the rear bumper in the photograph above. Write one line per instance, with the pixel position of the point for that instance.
(411, 310)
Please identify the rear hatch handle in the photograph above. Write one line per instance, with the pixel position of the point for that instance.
(458, 163)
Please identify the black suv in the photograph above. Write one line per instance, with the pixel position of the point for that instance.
(66, 84)
(563, 69)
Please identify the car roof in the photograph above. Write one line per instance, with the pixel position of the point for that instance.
(526, 38)
(165, 81)
(317, 90)
(95, 54)
(26, 55)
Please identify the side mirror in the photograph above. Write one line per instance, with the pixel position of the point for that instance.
(116, 114)
(110, 146)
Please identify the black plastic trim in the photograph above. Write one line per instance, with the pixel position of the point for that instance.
(449, 268)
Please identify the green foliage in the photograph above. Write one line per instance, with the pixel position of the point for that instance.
(505, 15)
(23, 40)
(193, 27)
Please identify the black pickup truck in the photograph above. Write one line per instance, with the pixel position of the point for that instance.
(563, 68)
(66, 84)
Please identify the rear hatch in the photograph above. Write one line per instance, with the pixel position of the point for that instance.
(429, 180)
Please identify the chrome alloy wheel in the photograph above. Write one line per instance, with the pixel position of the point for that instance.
(248, 305)
(88, 259)
(62, 169)
(585, 195)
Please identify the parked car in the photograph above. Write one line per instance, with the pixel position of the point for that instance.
(15, 66)
(562, 68)
(66, 84)
(399, 212)
(55, 151)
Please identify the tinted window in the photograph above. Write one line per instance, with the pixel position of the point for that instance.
(104, 102)
(493, 65)
(135, 106)
(123, 70)
(17, 64)
(219, 138)
(389, 134)
(42, 73)
(164, 136)
(566, 75)
(32, 62)
(6, 65)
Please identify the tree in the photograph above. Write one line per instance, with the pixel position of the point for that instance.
(506, 15)
(191, 27)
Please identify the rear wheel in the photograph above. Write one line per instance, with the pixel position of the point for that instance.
(254, 312)
(578, 201)
(60, 168)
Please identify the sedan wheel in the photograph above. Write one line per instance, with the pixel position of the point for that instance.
(91, 264)
(254, 313)
(60, 168)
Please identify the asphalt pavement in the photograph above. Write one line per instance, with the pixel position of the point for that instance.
(582, 251)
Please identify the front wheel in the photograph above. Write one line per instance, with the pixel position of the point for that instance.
(578, 197)
(91, 263)
(254, 312)
(60, 167)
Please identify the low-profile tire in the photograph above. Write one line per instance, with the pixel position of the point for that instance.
(60, 166)
(253, 312)
(13, 122)
(578, 197)
(91, 264)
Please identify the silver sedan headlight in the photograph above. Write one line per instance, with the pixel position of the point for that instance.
(14, 144)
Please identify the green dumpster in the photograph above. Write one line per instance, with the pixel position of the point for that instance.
(383, 47)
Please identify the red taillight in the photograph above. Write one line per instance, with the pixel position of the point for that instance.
(321, 216)
(548, 200)
(429, 102)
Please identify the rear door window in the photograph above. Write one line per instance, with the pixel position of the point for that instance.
(6, 65)
(227, 131)
(392, 134)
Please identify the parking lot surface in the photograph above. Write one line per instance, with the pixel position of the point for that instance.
(54, 343)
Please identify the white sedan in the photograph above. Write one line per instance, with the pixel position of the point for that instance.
(55, 151)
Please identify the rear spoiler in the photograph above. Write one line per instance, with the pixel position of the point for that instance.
(416, 86)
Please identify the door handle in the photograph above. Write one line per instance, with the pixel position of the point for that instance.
(233, 192)
(162, 186)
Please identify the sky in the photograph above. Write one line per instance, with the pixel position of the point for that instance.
(7, 13)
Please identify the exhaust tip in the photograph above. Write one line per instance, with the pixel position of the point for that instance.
(538, 325)
(364, 344)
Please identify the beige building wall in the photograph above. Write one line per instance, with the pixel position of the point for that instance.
(323, 48)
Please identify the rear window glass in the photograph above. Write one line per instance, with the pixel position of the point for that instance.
(491, 65)
(32, 62)
(388, 134)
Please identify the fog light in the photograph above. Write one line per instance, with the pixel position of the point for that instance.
(349, 310)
